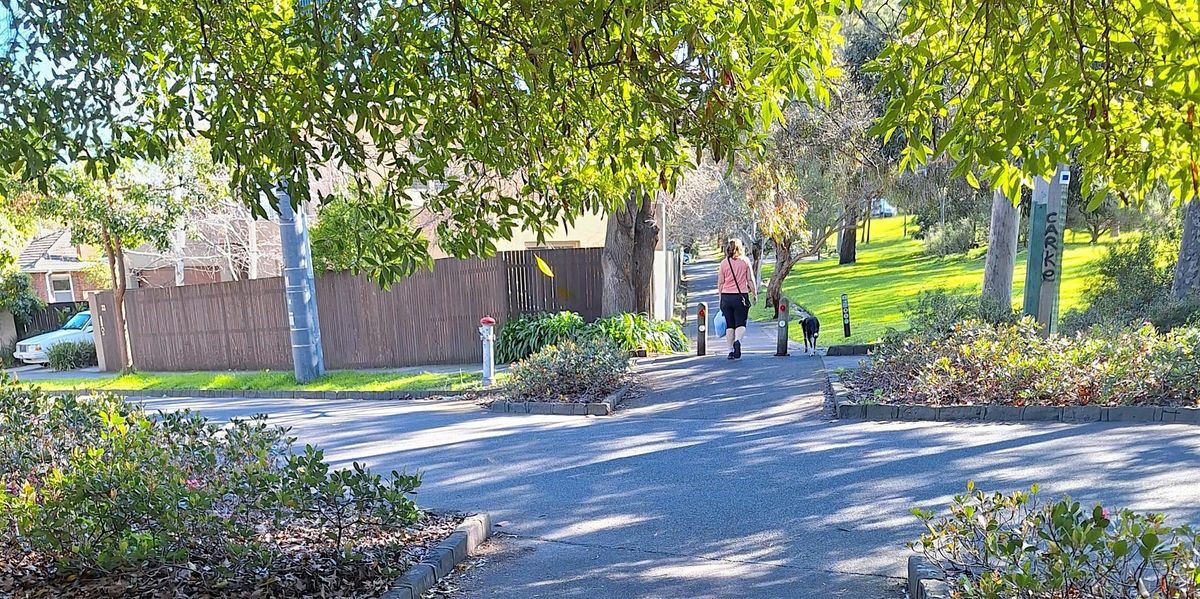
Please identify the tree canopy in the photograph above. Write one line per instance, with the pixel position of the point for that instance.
(521, 114)
(1023, 86)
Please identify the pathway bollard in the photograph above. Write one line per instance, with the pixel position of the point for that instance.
(487, 328)
(781, 340)
(701, 328)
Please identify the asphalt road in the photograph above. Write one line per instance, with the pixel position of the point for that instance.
(723, 480)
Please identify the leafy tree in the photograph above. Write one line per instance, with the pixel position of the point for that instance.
(17, 296)
(819, 158)
(1020, 88)
(523, 114)
(348, 227)
(16, 218)
(139, 205)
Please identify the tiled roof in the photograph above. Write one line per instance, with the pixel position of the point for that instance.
(52, 247)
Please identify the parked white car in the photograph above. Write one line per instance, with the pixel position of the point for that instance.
(34, 349)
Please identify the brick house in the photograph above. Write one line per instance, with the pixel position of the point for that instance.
(57, 267)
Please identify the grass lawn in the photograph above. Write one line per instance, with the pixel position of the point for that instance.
(892, 269)
(344, 380)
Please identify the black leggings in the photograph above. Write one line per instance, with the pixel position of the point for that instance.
(736, 309)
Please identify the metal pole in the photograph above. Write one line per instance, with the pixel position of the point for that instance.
(487, 328)
(308, 360)
(781, 338)
(701, 329)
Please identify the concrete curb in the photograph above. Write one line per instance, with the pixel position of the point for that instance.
(925, 581)
(604, 407)
(850, 350)
(255, 394)
(848, 410)
(442, 559)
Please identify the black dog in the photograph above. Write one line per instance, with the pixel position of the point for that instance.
(812, 328)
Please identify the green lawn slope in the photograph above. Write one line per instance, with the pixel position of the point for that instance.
(892, 269)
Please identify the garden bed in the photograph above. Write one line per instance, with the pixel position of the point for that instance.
(998, 545)
(307, 565)
(977, 368)
(99, 498)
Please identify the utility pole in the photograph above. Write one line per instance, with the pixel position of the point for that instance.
(251, 248)
(1043, 271)
(178, 236)
(308, 359)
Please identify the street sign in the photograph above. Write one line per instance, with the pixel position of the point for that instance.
(1047, 219)
(845, 315)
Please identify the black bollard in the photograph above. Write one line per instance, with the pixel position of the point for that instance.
(781, 341)
(701, 329)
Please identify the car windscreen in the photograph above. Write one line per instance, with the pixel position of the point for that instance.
(78, 321)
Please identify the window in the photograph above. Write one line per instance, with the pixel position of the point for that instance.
(61, 289)
(78, 321)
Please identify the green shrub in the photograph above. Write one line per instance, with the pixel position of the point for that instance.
(18, 297)
(1001, 546)
(94, 484)
(70, 355)
(1012, 364)
(7, 359)
(525, 335)
(636, 331)
(934, 313)
(570, 371)
(954, 237)
(1133, 286)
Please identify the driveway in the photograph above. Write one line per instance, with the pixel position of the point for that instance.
(34, 372)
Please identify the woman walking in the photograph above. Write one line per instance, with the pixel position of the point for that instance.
(735, 283)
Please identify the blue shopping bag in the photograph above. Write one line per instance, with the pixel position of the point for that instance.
(719, 324)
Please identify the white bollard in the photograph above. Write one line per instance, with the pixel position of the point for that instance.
(487, 327)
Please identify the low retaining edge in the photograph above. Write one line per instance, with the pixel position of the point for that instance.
(926, 581)
(604, 407)
(849, 410)
(442, 559)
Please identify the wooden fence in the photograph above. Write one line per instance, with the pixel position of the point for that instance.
(49, 318)
(429, 318)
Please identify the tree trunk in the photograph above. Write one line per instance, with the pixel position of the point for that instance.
(1001, 252)
(783, 266)
(1187, 271)
(645, 241)
(116, 270)
(617, 294)
(847, 248)
(1095, 232)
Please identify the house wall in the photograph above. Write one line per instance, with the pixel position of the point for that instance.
(588, 232)
(164, 276)
(79, 284)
